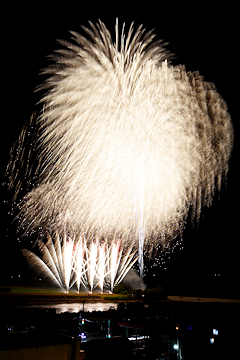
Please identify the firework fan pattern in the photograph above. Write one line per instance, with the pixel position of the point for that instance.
(127, 144)
(66, 263)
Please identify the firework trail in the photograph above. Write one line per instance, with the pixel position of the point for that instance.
(128, 143)
(66, 262)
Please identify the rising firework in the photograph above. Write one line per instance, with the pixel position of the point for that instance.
(66, 262)
(127, 143)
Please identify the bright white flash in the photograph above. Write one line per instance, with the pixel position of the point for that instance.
(128, 143)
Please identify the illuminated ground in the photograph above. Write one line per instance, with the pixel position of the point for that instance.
(35, 295)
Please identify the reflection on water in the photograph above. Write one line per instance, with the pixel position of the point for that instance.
(76, 307)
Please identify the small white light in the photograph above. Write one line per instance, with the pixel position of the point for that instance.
(175, 346)
(212, 340)
(134, 338)
(215, 332)
(83, 336)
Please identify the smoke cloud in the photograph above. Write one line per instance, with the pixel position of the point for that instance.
(133, 280)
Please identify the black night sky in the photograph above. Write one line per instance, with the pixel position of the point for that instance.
(204, 39)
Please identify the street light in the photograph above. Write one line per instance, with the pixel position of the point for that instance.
(178, 349)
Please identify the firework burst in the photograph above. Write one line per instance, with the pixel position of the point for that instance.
(128, 143)
(66, 262)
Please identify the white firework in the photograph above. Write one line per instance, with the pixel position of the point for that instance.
(128, 143)
(65, 262)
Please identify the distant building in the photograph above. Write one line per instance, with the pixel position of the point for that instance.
(108, 349)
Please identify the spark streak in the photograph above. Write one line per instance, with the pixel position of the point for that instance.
(66, 263)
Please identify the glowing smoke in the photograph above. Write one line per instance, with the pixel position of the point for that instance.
(134, 281)
(128, 144)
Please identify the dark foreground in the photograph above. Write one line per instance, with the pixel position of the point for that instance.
(196, 329)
